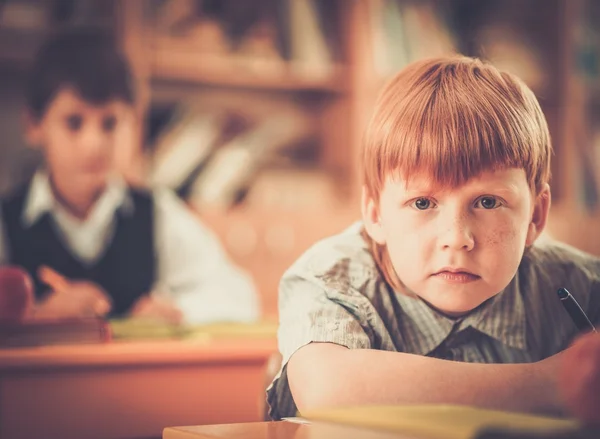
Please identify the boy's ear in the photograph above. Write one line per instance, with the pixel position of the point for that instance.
(32, 129)
(540, 215)
(370, 215)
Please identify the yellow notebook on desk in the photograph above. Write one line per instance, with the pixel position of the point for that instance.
(140, 329)
(439, 421)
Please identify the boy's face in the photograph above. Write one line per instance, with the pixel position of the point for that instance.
(456, 248)
(79, 139)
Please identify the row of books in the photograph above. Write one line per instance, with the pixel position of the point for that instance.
(297, 32)
(404, 31)
(212, 151)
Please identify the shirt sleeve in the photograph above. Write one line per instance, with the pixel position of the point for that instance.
(194, 270)
(308, 313)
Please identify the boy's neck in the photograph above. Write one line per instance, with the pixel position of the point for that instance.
(78, 203)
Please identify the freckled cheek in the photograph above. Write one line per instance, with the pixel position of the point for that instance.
(504, 238)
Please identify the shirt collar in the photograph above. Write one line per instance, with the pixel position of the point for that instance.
(40, 198)
(424, 329)
(502, 318)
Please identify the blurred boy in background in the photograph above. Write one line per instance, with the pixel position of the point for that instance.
(94, 244)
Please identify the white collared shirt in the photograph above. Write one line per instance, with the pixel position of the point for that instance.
(192, 267)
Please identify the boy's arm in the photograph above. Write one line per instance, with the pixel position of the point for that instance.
(194, 271)
(326, 338)
(328, 375)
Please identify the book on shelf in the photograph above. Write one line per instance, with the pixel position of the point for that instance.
(403, 32)
(309, 48)
(47, 332)
(213, 150)
(184, 145)
(235, 164)
(301, 32)
(427, 31)
(387, 31)
(172, 16)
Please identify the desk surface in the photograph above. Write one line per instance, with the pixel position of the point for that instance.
(319, 430)
(125, 390)
(164, 352)
(276, 430)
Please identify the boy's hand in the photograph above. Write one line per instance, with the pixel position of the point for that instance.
(70, 299)
(154, 308)
(547, 373)
(579, 379)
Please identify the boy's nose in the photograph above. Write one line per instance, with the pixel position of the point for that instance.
(458, 236)
(93, 141)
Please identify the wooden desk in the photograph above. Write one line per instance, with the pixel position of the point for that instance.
(130, 390)
(276, 430)
(319, 430)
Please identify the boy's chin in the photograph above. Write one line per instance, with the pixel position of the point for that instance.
(91, 182)
(455, 304)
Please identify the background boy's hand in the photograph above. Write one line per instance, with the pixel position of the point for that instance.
(155, 308)
(579, 378)
(71, 299)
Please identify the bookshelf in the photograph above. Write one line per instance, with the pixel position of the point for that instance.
(576, 213)
(292, 204)
(560, 37)
(181, 57)
(176, 68)
(169, 62)
(537, 40)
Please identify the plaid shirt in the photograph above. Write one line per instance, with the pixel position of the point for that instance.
(335, 293)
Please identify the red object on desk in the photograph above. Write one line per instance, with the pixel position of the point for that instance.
(17, 330)
(16, 294)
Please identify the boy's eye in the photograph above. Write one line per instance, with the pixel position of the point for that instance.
(488, 203)
(109, 123)
(74, 122)
(423, 203)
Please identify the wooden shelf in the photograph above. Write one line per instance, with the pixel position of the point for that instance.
(17, 46)
(243, 72)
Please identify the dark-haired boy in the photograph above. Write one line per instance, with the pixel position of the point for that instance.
(94, 244)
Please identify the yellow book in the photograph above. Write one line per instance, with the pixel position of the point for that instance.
(440, 421)
(134, 329)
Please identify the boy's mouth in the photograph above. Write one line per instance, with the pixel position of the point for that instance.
(456, 275)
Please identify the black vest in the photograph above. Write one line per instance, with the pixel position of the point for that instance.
(126, 270)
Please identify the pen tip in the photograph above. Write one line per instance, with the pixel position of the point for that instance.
(562, 293)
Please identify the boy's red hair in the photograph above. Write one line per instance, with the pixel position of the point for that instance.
(452, 118)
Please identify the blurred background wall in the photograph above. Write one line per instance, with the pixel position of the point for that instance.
(253, 111)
